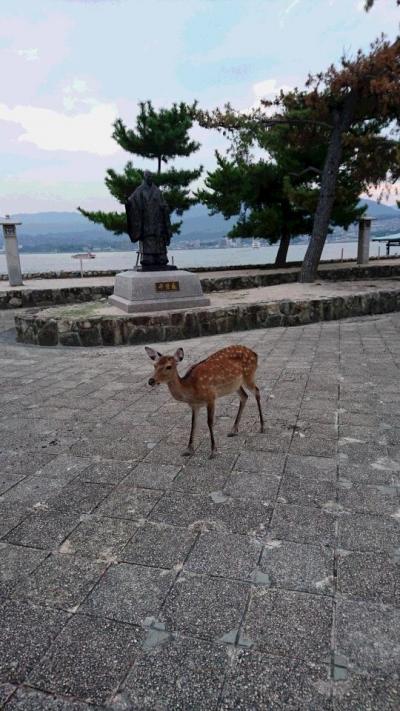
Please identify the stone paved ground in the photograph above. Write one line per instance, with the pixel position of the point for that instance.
(267, 578)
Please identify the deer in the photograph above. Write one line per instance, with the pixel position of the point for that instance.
(231, 369)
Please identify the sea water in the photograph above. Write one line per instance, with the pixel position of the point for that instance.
(208, 258)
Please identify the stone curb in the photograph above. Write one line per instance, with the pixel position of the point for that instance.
(176, 325)
(76, 294)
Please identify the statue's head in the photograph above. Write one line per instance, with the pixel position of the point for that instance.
(148, 177)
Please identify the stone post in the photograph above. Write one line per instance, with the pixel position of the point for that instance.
(364, 235)
(11, 249)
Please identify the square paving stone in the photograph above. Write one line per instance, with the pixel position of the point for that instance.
(305, 491)
(368, 499)
(383, 472)
(260, 462)
(61, 581)
(33, 490)
(10, 516)
(361, 453)
(110, 448)
(101, 538)
(314, 446)
(104, 471)
(44, 529)
(26, 699)
(380, 692)
(88, 659)
(181, 509)
(364, 532)
(129, 502)
(292, 624)
(183, 674)
(5, 692)
(273, 439)
(79, 496)
(367, 635)
(25, 634)
(303, 524)
(205, 607)
(296, 566)
(15, 466)
(224, 554)
(258, 681)
(369, 576)
(315, 468)
(15, 562)
(248, 485)
(153, 476)
(248, 517)
(159, 545)
(129, 593)
(200, 479)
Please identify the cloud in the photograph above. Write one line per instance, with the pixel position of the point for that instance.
(51, 130)
(31, 55)
(267, 89)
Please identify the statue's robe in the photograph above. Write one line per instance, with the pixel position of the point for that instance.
(149, 223)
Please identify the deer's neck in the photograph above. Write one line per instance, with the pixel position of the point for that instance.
(179, 389)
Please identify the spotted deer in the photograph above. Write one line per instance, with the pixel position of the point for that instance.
(229, 370)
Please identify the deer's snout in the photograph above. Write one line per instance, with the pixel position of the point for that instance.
(152, 381)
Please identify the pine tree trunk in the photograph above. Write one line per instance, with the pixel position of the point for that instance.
(280, 260)
(159, 165)
(326, 198)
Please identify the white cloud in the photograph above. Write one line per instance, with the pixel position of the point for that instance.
(50, 130)
(31, 55)
(267, 89)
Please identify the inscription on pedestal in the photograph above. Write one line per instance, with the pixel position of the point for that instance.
(167, 286)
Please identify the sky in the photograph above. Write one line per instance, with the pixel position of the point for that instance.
(71, 67)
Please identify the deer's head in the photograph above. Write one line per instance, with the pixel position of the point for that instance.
(164, 365)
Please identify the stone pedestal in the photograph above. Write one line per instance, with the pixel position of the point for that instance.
(140, 292)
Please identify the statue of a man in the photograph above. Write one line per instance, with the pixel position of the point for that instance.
(149, 223)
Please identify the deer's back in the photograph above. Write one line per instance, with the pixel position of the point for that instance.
(222, 372)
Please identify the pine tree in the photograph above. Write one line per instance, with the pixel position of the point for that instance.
(353, 113)
(275, 198)
(161, 136)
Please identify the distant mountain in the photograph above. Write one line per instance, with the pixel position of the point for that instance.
(70, 231)
(380, 211)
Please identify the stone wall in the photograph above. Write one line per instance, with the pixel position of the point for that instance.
(23, 298)
(46, 297)
(136, 329)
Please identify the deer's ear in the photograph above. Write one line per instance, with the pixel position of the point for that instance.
(178, 355)
(154, 355)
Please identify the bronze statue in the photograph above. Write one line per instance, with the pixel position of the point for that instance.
(149, 223)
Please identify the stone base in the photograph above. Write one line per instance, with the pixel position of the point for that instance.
(141, 292)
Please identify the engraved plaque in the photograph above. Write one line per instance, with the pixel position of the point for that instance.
(167, 286)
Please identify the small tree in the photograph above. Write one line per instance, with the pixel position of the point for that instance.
(161, 136)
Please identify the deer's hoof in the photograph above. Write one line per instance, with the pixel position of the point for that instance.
(213, 455)
(233, 434)
(262, 430)
(188, 452)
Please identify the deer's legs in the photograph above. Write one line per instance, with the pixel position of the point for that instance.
(253, 387)
(210, 422)
(243, 399)
(190, 449)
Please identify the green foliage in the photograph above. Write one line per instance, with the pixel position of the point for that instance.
(161, 135)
